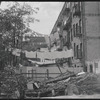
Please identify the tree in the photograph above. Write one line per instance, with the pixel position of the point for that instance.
(14, 22)
(10, 82)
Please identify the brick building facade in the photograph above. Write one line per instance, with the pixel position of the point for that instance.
(77, 27)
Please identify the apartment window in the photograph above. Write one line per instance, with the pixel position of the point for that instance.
(77, 50)
(91, 68)
(74, 30)
(80, 26)
(77, 9)
(78, 30)
(74, 49)
(71, 35)
(79, 4)
(81, 49)
(81, 46)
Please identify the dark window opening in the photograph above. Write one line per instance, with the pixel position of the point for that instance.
(77, 9)
(85, 69)
(71, 35)
(74, 50)
(80, 26)
(77, 28)
(74, 30)
(77, 50)
(81, 49)
(91, 68)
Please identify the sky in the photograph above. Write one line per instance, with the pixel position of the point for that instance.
(47, 14)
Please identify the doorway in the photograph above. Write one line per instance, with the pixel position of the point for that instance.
(91, 68)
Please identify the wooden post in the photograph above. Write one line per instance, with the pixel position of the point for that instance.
(59, 69)
(36, 75)
(32, 73)
(47, 73)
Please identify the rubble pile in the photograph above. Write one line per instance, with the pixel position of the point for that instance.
(47, 89)
(87, 83)
(61, 77)
(70, 83)
(57, 83)
(90, 84)
(59, 88)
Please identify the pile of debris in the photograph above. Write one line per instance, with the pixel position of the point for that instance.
(90, 84)
(69, 84)
(57, 84)
(81, 83)
(61, 77)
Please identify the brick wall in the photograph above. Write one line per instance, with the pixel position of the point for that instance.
(92, 18)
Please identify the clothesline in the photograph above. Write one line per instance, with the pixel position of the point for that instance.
(46, 55)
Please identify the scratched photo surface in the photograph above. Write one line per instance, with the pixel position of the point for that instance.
(49, 49)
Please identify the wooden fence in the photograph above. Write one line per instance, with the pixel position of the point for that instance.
(40, 76)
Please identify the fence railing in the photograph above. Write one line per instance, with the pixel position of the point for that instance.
(40, 76)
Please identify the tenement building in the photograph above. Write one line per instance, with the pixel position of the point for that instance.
(78, 27)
